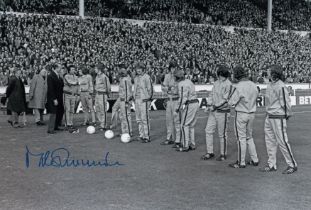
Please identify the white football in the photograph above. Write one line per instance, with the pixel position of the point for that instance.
(109, 134)
(125, 138)
(90, 129)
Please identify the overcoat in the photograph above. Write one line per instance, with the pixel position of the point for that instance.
(54, 91)
(15, 93)
(38, 92)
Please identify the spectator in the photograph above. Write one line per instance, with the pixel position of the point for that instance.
(31, 41)
(3, 79)
(293, 15)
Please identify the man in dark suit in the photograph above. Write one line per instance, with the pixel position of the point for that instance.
(55, 105)
(15, 93)
(60, 95)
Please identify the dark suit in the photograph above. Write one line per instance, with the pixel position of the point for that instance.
(55, 92)
(15, 93)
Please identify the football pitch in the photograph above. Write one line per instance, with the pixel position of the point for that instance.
(147, 176)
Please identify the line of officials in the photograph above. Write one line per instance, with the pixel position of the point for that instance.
(59, 91)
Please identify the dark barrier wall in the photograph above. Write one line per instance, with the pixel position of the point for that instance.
(160, 104)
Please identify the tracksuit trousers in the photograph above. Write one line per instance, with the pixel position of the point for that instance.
(244, 132)
(188, 121)
(87, 106)
(70, 102)
(115, 113)
(219, 120)
(125, 117)
(276, 136)
(142, 118)
(173, 121)
(101, 109)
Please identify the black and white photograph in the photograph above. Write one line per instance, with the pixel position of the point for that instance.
(155, 104)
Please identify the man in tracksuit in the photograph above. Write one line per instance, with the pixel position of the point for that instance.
(170, 88)
(278, 111)
(143, 92)
(244, 100)
(188, 105)
(219, 114)
(115, 115)
(86, 91)
(125, 97)
(71, 92)
(103, 89)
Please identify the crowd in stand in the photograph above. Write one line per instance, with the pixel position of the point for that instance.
(66, 7)
(29, 41)
(287, 14)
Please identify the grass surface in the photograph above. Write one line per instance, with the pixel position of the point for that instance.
(154, 176)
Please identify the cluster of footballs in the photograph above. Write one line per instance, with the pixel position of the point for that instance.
(125, 137)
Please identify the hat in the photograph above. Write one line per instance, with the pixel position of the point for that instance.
(239, 72)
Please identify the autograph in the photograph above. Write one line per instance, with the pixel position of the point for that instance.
(60, 158)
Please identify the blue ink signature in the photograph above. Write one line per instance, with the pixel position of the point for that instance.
(60, 158)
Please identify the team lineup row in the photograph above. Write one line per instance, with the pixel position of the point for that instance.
(181, 110)
(182, 107)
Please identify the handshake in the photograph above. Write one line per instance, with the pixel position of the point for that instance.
(179, 109)
(210, 108)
